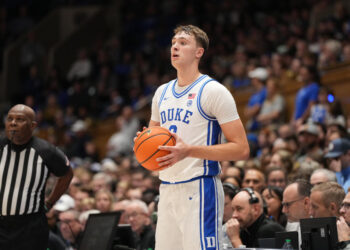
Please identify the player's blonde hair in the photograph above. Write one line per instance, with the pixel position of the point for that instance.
(200, 36)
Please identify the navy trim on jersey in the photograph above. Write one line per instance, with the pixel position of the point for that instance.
(212, 168)
(208, 221)
(178, 95)
(200, 214)
(164, 91)
(199, 106)
(179, 182)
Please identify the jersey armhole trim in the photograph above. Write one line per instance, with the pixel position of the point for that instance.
(199, 106)
(163, 93)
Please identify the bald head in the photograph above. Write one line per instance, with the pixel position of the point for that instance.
(20, 124)
(26, 110)
(246, 213)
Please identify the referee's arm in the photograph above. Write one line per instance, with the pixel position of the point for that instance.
(60, 188)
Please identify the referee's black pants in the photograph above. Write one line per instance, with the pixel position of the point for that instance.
(24, 232)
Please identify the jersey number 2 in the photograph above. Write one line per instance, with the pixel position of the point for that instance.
(173, 128)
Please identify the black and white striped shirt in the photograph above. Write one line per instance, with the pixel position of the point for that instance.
(24, 170)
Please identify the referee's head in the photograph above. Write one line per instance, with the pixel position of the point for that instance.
(20, 124)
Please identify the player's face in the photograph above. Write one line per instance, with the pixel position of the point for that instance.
(184, 50)
(318, 208)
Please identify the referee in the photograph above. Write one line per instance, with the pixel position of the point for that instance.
(25, 165)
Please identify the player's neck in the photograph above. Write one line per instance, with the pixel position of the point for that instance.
(187, 76)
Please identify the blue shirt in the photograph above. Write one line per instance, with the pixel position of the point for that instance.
(343, 178)
(257, 99)
(304, 96)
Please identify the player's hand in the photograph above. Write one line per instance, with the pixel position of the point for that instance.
(139, 132)
(343, 229)
(177, 152)
(232, 231)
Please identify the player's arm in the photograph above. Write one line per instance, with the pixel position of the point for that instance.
(153, 123)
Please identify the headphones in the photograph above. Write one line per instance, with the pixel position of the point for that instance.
(234, 190)
(253, 198)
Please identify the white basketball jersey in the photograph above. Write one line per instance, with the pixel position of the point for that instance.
(182, 113)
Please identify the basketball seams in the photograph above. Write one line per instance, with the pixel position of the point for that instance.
(150, 138)
(145, 146)
(171, 137)
(150, 129)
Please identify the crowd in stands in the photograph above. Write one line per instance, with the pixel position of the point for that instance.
(256, 47)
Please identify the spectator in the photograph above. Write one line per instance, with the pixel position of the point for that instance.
(104, 200)
(101, 181)
(234, 171)
(273, 196)
(271, 112)
(258, 76)
(306, 96)
(277, 177)
(343, 223)
(248, 223)
(121, 142)
(283, 159)
(32, 52)
(319, 112)
(81, 68)
(120, 206)
(254, 178)
(296, 204)
(230, 191)
(138, 217)
(71, 228)
(65, 203)
(309, 142)
(79, 196)
(238, 78)
(339, 160)
(285, 130)
(326, 199)
(322, 175)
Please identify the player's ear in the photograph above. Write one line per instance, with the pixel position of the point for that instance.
(199, 52)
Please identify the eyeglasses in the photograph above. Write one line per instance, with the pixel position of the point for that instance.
(346, 205)
(289, 203)
(135, 214)
(68, 221)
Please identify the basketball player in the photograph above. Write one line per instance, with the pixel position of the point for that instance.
(196, 108)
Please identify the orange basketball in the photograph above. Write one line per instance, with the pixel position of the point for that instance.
(146, 146)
